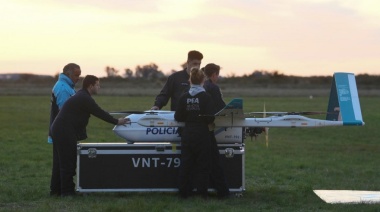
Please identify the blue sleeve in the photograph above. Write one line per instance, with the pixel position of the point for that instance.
(62, 94)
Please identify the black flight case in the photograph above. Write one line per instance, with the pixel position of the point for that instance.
(146, 167)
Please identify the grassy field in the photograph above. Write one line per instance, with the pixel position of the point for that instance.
(281, 177)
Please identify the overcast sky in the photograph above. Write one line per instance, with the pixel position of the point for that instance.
(294, 37)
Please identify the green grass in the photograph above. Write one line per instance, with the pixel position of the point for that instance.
(281, 177)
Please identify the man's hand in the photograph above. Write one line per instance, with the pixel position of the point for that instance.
(122, 121)
(155, 108)
(211, 126)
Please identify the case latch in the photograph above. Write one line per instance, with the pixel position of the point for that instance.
(160, 148)
(229, 152)
(91, 153)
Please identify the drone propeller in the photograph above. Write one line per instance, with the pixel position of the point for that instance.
(149, 112)
(126, 112)
(158, 111)
(255, 131)
(266, 129)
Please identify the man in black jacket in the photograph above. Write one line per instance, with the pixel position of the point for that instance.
(68, 128)
(211, 71)
(217, 176)
(177, 83)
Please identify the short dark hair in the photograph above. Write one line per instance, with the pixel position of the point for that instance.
(194, 55)
(69, 68)
(89, 80)
(210, 69)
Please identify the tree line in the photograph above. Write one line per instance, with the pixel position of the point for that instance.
(151, 72)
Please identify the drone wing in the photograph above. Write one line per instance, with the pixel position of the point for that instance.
(288, 113)
(343, 110)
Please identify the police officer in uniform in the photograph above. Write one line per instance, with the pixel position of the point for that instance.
(177, 83)
(195, 108)
(217, 177)
(211, 71)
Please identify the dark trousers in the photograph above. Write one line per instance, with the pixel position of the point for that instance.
(217, 176)
(55, 181)
(195, 161)
(64, 159)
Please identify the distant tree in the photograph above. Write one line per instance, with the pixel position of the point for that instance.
(128, 73)
(111, 72)
(257, 74)
(265, 74)
(277, 74)
(149, 72)
(233, 75)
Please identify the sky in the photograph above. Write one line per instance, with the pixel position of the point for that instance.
(293, 37)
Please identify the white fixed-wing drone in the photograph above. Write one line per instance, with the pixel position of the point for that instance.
(231, 123)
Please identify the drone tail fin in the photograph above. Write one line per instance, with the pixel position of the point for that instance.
(235, 108)
(236, 103)
(344, 102)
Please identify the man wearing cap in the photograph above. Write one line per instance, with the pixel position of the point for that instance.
(177, 83)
